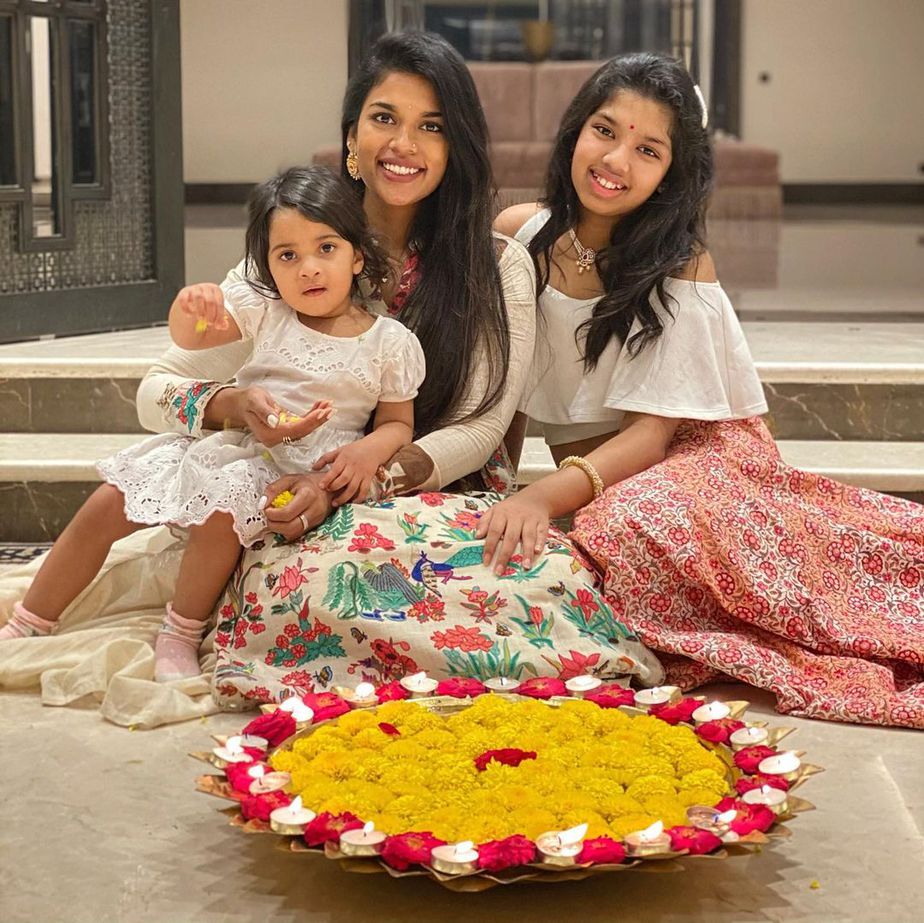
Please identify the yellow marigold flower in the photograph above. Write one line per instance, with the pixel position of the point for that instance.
(705, 779)
(691, 796)
(596, 824)
(620, 806)
(645, 786)
(692, 760)
(355, 721)
(282, 498)
(532, 822)
(630, 823)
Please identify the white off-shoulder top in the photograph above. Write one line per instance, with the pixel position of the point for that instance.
(700, 367)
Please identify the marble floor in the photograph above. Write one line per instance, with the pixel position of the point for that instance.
(109, 828)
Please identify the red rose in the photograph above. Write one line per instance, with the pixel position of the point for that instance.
(327, 827)
(408, 849)
(260, 807)
(391, 692)
(460, 686)
(503, 854)
(325, 705)
(602, 850)
(542, 687)
(611, 696)
(509, 757)
(720, 730)
(749, 817)
(748, 759)
(255, 753)
(674, 714)
(759, 780)
(693, 840)
(274, 727)
(238, 774)
(389, 729)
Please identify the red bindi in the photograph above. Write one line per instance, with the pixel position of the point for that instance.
(631, 128)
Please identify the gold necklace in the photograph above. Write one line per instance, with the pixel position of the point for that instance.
(586, 256)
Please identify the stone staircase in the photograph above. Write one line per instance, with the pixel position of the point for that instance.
(845, 400)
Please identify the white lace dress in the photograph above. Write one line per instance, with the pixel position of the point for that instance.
(182, 480)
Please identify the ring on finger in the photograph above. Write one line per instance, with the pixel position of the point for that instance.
(304, 522)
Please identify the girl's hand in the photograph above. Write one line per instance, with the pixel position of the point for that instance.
(514, 521)
(206, 303)
(352, 468)
(309, 506)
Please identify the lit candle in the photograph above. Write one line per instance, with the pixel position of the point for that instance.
(706, 818)
(580, 685)
(657, 695)
(419, 684)
(648, 842)
(231, 752)
(748, 737)
(292, 819)
(501, 683)
(363, 841)
(302, 713)
(252, 741)
(561, 847)
(264, 781)
(711, 712)
(786, 764)
(774, 798)
(361, 697)
(458, 859)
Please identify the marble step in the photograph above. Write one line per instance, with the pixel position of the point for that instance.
(822, 380)
(45, 477)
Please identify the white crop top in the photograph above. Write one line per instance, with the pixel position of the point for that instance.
(699, 368)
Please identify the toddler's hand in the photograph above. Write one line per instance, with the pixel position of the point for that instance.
(205, 302)
(351, 473)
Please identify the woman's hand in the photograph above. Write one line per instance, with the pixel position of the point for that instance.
(309, 506)
(257, 410)
(518, 520)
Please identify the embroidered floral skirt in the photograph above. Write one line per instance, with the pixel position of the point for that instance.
(383, 590)
(729, 562)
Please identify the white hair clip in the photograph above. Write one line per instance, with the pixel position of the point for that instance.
(702, 103)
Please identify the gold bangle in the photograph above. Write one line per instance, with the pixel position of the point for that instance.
(576, 461)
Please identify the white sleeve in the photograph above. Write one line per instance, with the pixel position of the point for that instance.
(243, 302)
(462, 448)
(699, 368)
(404, 367)
(173, 394)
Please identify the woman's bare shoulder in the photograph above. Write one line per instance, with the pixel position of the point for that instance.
(511, 219)
(699, 269)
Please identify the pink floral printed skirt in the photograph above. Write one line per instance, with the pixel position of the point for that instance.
(730, 563)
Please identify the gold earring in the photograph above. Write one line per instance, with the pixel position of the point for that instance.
(352, 163)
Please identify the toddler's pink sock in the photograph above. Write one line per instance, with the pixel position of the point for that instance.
(26, 624)
(176, 651)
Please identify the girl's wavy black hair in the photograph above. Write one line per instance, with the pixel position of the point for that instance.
(663, 234)
(319, 195)
(457, 309)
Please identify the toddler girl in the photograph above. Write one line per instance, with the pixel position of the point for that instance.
(313, 346)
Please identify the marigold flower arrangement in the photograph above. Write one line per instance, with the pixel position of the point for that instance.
(499, 771)
(501, 768)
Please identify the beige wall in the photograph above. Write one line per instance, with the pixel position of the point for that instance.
(844, 100)
(262, 83)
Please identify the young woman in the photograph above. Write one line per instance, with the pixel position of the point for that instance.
(415, 146)
(716, 552)
(415, 151)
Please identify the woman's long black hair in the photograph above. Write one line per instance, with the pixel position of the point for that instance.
(457, 309)
(664, 233)
(319, 195)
